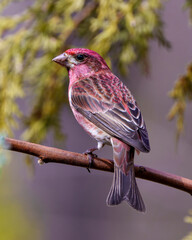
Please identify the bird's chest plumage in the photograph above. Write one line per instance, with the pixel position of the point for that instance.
(89, 127)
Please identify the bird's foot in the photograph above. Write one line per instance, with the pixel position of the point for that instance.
(91, 156)
(90, 152)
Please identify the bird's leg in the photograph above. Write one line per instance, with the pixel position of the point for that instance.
(91, 155)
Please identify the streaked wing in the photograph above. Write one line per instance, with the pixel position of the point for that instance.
(117, 118)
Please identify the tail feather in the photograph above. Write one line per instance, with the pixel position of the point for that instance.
(124, 186)
(133, 196)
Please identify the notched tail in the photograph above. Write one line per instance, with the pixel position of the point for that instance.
(124, 187)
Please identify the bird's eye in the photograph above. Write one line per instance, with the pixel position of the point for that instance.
(80, 57)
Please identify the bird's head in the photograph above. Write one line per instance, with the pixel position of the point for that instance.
(81, 59)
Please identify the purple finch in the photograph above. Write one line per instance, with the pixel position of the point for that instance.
(105, 108)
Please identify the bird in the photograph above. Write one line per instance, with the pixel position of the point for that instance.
(104, 106)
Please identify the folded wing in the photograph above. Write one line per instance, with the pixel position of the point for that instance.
(120, 119)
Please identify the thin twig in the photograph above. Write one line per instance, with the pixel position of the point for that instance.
(55, 155)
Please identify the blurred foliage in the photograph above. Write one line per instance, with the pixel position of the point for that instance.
(188, 219)
(181, 93)
(119, 30)
(3, 153)
(16, 221)
(188, 6)
(15, 224)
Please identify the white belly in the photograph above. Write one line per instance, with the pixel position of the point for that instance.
(89, 127)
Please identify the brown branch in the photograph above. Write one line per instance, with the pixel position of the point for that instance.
(54, 155)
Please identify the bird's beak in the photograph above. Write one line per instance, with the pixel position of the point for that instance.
(61, 59)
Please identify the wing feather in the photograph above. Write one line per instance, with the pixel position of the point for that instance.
(117, 118)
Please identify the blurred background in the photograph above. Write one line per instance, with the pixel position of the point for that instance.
(55, 201)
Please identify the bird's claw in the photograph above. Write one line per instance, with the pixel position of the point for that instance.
(91, 156)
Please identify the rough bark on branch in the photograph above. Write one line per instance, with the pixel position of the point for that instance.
(54, 155)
